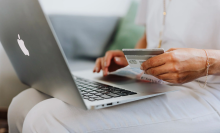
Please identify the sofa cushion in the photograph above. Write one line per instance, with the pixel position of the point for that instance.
(81, 64)
(128, 32)
(83, 36)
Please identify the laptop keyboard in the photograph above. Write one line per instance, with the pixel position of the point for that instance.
(94, 91)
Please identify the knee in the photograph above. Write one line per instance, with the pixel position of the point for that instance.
(20, 106)
(43, 117)
(17, 111)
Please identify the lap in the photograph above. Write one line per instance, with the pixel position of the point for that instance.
(21, 105)
(185, 110)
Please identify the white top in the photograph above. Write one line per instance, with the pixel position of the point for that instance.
(189, 24)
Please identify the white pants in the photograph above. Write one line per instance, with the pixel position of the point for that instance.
(191, 109)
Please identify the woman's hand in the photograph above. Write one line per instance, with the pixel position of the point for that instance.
(112, 61)
(178, 65)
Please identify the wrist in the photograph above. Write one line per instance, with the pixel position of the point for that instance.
(214, 61)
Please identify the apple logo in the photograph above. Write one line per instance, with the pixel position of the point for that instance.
(22, 46)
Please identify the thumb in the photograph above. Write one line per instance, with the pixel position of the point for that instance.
(171, 49)
(121, 61)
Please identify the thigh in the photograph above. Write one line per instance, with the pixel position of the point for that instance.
(183, 110)
(21, 105)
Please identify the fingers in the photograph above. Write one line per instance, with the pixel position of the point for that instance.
(171, 49)
(120, 61)
(155, 61)
(110, 54)
(158, 60)
(178, 78)
(166, 68)
(100, 66)
(167, 76)
(97, 67)
(104, 62)
(171, 78)
(104, 68)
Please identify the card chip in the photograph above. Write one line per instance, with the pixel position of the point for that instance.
(132, 61)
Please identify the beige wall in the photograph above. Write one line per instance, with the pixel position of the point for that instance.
(10, 85)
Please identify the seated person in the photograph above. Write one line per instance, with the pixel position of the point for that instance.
(194, 26)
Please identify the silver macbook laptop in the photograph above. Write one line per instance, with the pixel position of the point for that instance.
(38, 59)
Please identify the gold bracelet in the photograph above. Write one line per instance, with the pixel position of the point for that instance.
(207, 69)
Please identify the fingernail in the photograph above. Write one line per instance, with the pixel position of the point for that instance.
(96, 69)
(142, 68)
(117, 59)
(104, 73)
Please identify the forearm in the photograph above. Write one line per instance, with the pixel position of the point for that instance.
(142, 43)
(214, 59)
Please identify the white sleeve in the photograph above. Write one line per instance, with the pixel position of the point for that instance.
(141, 13)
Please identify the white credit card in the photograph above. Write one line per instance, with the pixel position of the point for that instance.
(135, 57)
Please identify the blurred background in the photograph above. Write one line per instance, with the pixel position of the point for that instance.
(86, 29)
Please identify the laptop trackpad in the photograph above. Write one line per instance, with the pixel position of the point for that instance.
(124, 82)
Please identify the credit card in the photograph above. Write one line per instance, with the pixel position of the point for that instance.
(135, 57)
